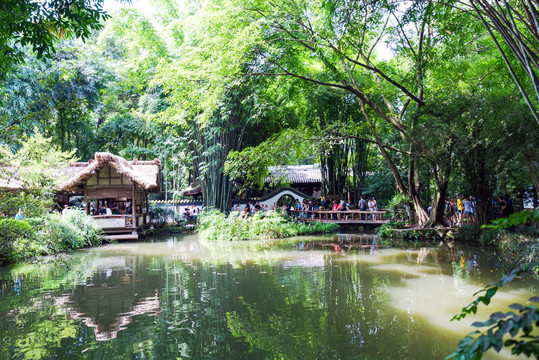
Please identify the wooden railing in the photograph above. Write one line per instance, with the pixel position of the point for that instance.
(345, 216)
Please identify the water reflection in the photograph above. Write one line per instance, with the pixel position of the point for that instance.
(120, 289)
(308, 300)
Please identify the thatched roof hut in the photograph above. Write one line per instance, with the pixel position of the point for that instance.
(144, 173)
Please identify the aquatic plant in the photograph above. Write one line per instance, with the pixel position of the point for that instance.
(214, 225)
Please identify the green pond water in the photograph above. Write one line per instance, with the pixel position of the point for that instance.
(173, 298)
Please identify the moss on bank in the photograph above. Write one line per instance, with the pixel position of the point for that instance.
(46, 235)
(216, 226)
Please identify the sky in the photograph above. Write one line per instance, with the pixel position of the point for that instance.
(146, 8)
(143, 6)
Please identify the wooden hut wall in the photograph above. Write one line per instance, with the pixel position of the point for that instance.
(108, 176)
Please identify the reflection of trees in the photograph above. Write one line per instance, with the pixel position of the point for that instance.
(31, 323)
(340, 312)
(312, 305)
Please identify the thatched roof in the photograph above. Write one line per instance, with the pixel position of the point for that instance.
(8, 178)
(143, 173)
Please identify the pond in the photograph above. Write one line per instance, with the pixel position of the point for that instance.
(335, 297)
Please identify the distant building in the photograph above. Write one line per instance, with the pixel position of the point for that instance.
(306, 179)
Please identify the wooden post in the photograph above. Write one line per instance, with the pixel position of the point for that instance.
(86, 200)
(144, 205)
(133, 206)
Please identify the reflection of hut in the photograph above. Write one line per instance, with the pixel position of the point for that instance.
(115, 191)
(116, 293)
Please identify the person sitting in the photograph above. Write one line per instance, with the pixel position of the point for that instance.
(102, 210)
(19, 215)
(66, 208)
(247, 211)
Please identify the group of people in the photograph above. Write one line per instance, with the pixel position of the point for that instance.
(460, 210)
(464, 209)
(250, 209)
(300, 210)
(304, 209)
(367, 205)
(108, 208)
(190, 212)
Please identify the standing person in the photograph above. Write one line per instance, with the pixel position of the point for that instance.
(505, 210)
(309, 209)
(128, 207)
(468, 211)
(65, 209)
(362, 206)
(448, 212)
(373, 207)
(297, 209)
(19, 215)
(335, 207)
(453, 211)
(460, 209)
(322, 200)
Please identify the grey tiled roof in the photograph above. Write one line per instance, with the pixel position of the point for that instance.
(298, 174)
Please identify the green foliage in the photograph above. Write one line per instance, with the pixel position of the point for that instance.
(500, 324)
(216, 226)
(13, 235)
(41, 24)
(159, 215)
(399, 208)
(250, 166)
(33, 173)
(47, 234)
(519, 218)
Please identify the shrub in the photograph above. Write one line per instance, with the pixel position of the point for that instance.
(14, 234)
(214, 225)
(47, 234)
(159, 215)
